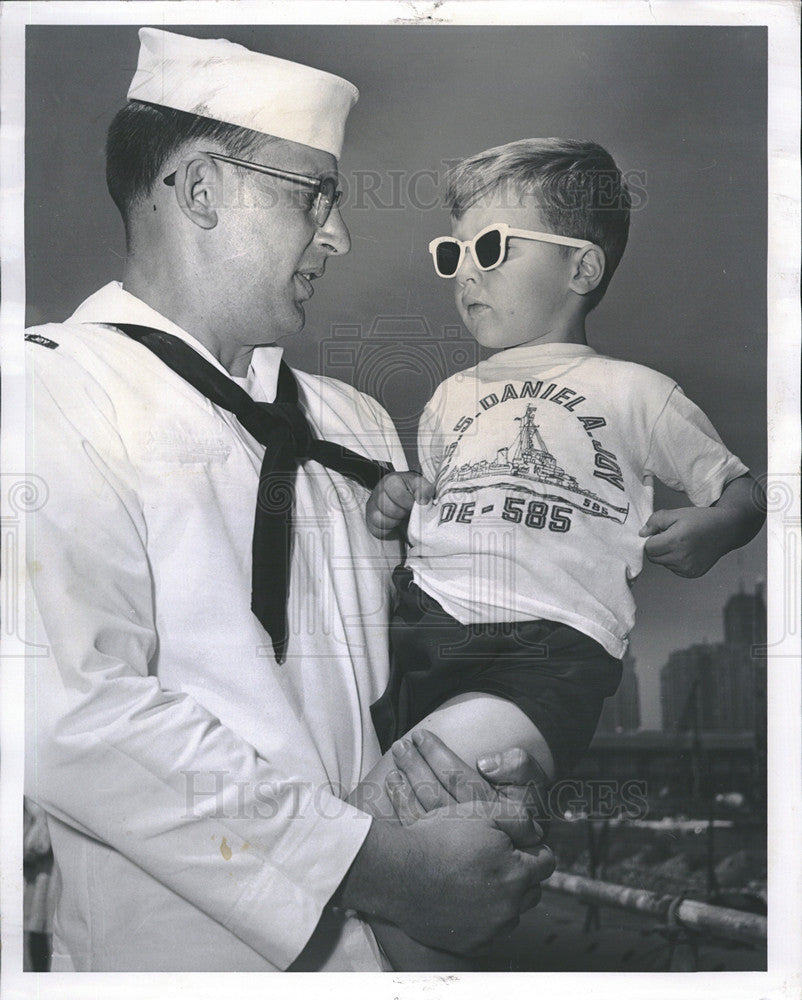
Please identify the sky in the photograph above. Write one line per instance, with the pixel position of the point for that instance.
(682, 110)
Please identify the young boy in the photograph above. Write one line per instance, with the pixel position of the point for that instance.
(514, 606)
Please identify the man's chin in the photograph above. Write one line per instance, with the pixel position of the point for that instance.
(293, 325)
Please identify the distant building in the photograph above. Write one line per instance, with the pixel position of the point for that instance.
(621, 713)
(720, 686)
(745, 619)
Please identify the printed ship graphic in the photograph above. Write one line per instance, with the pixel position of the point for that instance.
(532, 461)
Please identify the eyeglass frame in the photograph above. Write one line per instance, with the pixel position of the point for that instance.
(286, 175)
(506, 232)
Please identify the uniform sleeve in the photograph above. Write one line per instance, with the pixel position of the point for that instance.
(686, 453)
(146, 770)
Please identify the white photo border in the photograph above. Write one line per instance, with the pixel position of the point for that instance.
(784, 533)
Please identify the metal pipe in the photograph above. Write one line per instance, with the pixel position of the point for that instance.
(734, 925)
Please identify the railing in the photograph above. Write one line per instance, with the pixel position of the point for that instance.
(688, 914)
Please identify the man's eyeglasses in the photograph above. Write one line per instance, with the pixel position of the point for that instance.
(488, 247)
(327, 193)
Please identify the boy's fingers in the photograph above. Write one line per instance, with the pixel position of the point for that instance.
(400, 488)
(405, 488)
(423, 490)
(659, 521)
(387, 507)
(669, 560)
(661, 545)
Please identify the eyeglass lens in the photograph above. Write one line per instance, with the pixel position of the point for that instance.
(448, 255)
(487, 250)
(328, 196)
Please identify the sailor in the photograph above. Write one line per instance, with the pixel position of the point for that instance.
(203, 709)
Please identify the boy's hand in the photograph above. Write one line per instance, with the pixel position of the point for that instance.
(390, 503)
(690, 540)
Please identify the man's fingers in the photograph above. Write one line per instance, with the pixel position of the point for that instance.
(401, 798)
(428, 788)
(512, 767)
(457, 777)
(513, 816)
(540, 862)
(531, 898)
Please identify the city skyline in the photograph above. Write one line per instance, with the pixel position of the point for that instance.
(743, 624)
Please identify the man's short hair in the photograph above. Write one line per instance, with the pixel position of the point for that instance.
(142, 138)
(575, 185)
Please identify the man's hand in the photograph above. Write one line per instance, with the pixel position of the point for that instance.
(690, 540)
(389, 505)
(510, 786)
(449, 879)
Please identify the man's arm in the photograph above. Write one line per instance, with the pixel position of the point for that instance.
(690, 540)
(508, 789)
(464, 881)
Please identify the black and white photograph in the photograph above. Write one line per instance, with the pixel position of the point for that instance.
(400, 498)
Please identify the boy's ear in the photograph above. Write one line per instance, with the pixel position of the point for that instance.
(588, 270)
(197, 185)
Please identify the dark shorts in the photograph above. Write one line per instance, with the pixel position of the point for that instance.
(557, 676)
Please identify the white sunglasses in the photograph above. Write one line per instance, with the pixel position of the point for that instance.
(488, 247)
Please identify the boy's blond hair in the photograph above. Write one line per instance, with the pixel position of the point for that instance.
(575, 185)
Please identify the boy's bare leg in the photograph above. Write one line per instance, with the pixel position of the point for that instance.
(471, 725)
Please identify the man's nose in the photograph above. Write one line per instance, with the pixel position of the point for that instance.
(333, 234)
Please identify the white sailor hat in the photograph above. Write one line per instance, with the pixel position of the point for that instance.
(218, 79)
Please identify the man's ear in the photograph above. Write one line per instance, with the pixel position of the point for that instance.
(197, 189)
(588, 270)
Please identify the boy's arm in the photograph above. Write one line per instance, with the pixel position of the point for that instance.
(690, 540)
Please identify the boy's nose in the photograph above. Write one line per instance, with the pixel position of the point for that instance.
(467, 270)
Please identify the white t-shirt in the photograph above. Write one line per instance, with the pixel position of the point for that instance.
(194, 786)
(543, 458)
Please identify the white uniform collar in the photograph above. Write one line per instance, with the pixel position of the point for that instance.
(112, 304)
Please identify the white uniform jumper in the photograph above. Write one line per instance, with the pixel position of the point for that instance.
(194, 786)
